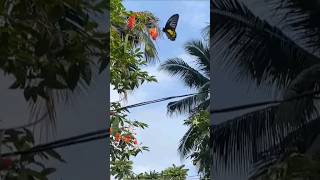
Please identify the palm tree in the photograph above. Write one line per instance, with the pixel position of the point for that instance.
(196, 78)
(265, 55)
(193, 142)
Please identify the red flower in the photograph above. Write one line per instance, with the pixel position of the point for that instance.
(135, 142)
(118, 137)
(127, 139)
(153, 33)
(131, 22)
(6, 163)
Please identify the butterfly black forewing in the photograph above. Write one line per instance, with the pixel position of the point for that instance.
(172, 22)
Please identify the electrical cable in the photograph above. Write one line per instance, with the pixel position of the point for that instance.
(87, 137)
(158, 100)
(223, 110)
(252, 105)
(77, 139)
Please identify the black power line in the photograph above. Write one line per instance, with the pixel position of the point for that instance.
(264, 103)
(228, 109)
(87, 137)
(159, 100)
(100, 134)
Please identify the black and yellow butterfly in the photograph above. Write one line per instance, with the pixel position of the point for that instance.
(170, 28)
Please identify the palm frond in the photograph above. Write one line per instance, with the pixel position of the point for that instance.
(202, 106)
(206, 33)
(234, 140)
(186, 105)
(263, 52)
(205, 104)
(190, 76)
(186, 145)
(303, 18)
(202, 157)
(299, 141)
(195, 142)
(238, 141)
(201, 53)
(303, 137)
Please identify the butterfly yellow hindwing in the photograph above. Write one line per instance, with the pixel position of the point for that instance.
(171, 34)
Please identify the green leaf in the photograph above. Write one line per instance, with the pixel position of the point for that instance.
(15, 85)
(87, 74)
(55, 155)
(27, 93)
(73, 76)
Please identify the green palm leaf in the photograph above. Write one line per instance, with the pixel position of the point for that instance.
(301, 17)
(190, 76)
(201, 54)
(262, 52)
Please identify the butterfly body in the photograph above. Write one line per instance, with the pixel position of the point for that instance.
(170, 28)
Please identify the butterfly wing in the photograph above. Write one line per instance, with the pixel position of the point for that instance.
(171, 34)
(172, 22)
(171, 26)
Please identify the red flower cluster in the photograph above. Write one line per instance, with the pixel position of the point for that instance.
(153, 33)
(127, 139)
(131, 22)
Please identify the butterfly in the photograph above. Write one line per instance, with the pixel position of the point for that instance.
(170, 28)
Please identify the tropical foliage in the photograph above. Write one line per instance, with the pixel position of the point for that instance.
(123, 142)
(174, 173)
(25, 166)
(131, 48)
(197, 78)
(265, 55)
(294, 166)
(51, 49)
(194, 143)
